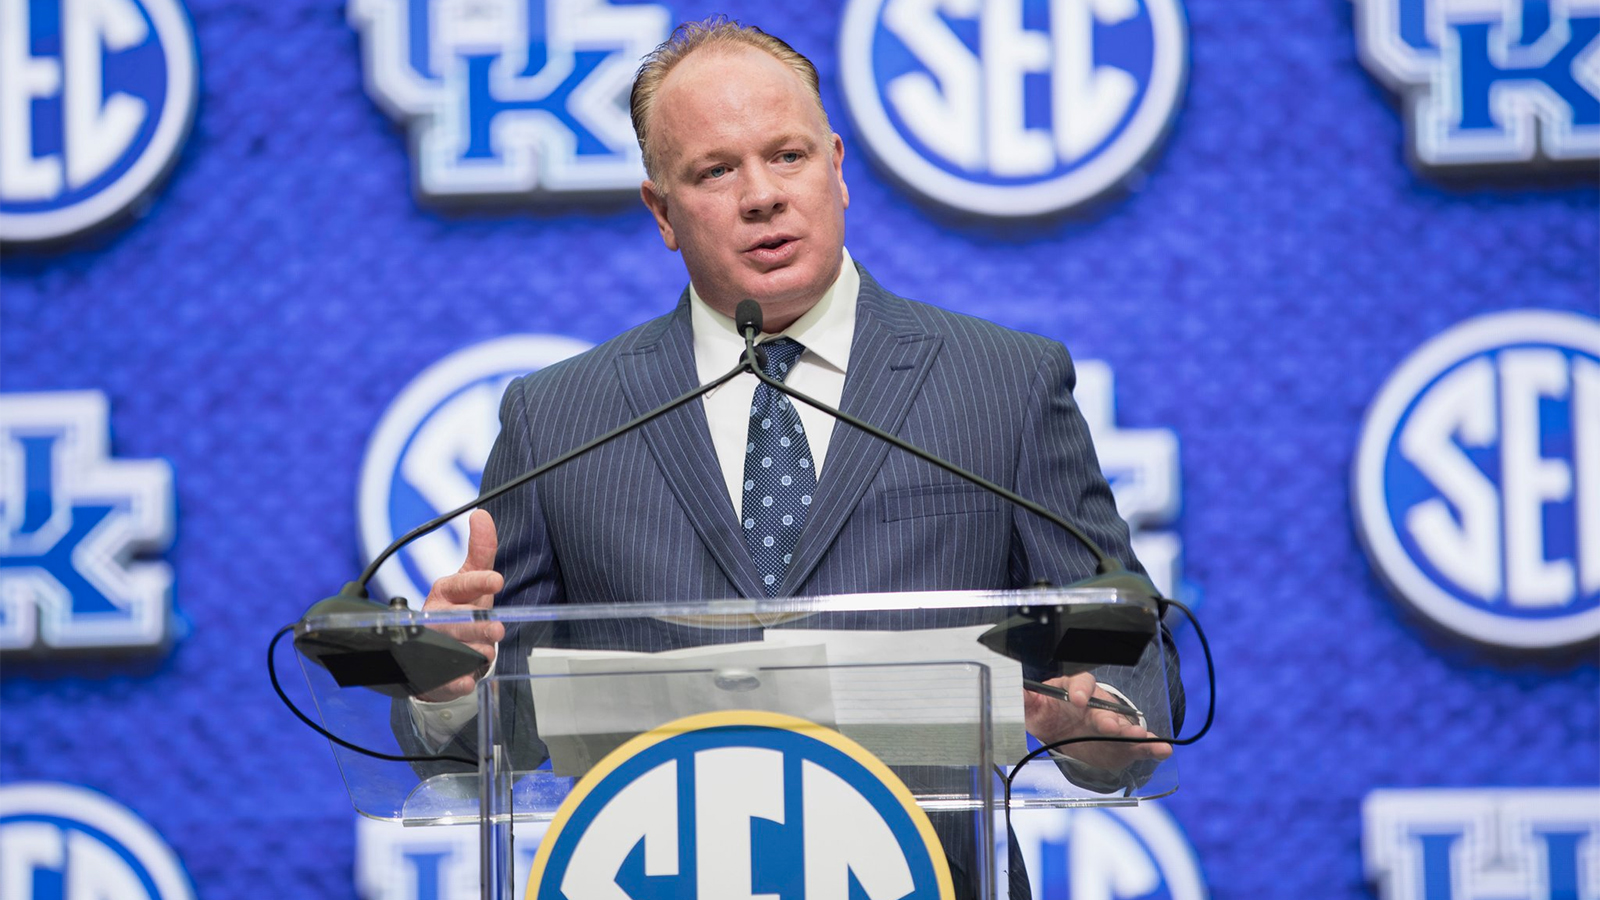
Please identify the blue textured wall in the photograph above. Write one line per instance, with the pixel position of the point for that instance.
(1275, 265)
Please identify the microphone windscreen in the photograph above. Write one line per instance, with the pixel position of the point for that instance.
(747, 315)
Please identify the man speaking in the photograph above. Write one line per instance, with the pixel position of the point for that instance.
(748, 494)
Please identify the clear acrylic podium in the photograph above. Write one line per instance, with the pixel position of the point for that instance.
(903, 675)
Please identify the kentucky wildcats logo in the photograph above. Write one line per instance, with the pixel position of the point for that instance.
(71, 520)
(1013, 107)
(511, 97)
(1136, 851)
(440, 862)
(95, 100)
(427, 454)
(1477, 481)
(61, 840)
(740, 804)
(1486, 844)
(1142, 467)
(1489, 82)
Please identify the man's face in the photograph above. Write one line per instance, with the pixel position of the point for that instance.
(751, 190)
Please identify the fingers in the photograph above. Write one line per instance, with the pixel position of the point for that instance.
(475, 589)
(1110, 724)
(1075, 718)
(1079, 687)
(477, 582)
(452, 690)
(480, 636)
(482, 541)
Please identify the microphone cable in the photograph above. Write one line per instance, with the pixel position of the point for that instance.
(272, 673)
(1211, 711)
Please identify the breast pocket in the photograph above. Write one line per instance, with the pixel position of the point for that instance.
(939, 500)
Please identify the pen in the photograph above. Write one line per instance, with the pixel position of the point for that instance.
(1094, 702)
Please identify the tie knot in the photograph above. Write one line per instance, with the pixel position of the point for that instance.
(781, 355)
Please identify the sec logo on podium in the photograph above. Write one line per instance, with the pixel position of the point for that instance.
(1477, 480)
(740, 804)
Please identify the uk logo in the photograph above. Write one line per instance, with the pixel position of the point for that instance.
(1013, 107)
(441, 862)
(427, 454)
(740, 804)
(96, 99)
(1484, 844)
(1141, 465)
(511, 98)
(1477, 480)
(61, 840)
(74, 524)
(1489, 83)
(1136, 851)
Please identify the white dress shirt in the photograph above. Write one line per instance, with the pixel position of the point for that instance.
(825, 330)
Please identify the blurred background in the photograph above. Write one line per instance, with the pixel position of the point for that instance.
(1330, 271)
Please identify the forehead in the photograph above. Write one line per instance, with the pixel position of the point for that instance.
(718, 95)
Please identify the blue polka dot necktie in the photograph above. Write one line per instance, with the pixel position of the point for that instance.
(779, 476)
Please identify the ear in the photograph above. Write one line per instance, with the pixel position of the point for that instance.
(657, 202)
(838, 169)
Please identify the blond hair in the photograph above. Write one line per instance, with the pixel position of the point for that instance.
(717, 32)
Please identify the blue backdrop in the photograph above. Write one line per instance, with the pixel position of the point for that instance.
(1251, 292)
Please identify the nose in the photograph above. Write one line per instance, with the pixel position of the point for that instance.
(764, 194)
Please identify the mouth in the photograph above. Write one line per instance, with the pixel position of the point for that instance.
(773, 242)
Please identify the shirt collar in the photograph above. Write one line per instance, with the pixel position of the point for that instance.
(826, 329)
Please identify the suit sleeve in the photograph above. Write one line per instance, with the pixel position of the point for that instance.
(1057, 467)
(525, 555)
(532, 577)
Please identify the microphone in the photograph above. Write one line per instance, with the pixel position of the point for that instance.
(747, 317)
(405, 661)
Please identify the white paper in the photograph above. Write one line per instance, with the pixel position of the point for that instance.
(588, 702)
(927, 715)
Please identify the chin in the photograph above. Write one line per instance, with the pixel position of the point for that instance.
(788, 286)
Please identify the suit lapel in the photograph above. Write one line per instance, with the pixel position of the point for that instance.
(652, 374)
(890, 355)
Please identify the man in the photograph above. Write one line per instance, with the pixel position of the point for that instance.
(746, 182)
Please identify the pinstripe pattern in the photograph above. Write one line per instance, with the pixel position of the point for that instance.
(647, 517)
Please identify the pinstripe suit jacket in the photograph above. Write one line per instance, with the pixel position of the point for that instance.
(647, 517)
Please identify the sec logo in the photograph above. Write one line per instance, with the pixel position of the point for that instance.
(427, 454)
(1135, 851)
(1477, 480)
(95, 101)
(740, 804)
(61, 840)
(1012, 107)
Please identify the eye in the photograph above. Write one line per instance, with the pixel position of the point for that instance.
(715, 172)
(790, 156)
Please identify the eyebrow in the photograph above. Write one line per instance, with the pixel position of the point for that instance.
(801, 138)
(796, 137)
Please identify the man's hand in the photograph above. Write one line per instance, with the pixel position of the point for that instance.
(1050, 720)
(473, 587)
